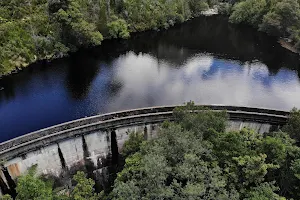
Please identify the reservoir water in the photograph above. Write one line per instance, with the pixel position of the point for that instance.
(206, 60)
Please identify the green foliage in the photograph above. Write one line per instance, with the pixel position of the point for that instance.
(154, 14)
(253, 168)
(184, 162)
(84, 189)
(30, 186)
(118, 29)
(250, 12)
(293, 125)
(27, 34)
(204, 125)
(133, 144)
(6, 197)
(225, 8)
(271, 24)
(197, 6)
(32, 30)
(279, 18)
(265, 191)
(181, 171)
(82, 32)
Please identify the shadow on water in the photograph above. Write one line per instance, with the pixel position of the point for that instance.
(215, 35)
(210, 35)
(80, 74)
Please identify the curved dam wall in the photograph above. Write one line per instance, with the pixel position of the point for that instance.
(93, 144)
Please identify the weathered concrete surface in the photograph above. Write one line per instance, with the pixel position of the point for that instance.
(257, 127)
(123, 134)
(72, 152)
(99, 147)
(93, 144)
(46, 159)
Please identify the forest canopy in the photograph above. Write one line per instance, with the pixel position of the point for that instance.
(196, 158)
(32, 30)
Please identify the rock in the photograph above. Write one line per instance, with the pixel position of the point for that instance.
(211, 11)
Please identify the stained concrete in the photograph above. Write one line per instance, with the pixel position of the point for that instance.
(257, 127)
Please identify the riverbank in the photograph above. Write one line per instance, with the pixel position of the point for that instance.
(20, 66)
(277, 18)
(209, 12)
(52, 28)
(288, 45)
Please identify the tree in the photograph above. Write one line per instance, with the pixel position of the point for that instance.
(289, 11)
(205, 125)
(253, 169)
(6, 197)
(32, 30)
(118, 28)
(293, 125)
(264, 191)
(84, 189)
(250, 12)
(181, 171)
(190, 164)
(197, 6)
(80, 31)
(271, 24)
(30, 186)
(133, 144)
(282, 17)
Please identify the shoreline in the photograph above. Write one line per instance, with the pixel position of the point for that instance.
(288, 45)
(208, 13)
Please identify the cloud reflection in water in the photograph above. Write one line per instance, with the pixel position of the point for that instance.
(147, 81)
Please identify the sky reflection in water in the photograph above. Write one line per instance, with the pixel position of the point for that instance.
(204, 79)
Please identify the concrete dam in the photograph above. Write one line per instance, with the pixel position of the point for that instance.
(93, 144)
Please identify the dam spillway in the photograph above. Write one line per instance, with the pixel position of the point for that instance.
(93, 142)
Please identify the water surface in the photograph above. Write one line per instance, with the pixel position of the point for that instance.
(205, 60)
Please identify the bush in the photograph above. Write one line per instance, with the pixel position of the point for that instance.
(271, 24)
(224, 8)
(118, 29)
(132, 145)
(249, 12)
(293, 125)
(197, 7)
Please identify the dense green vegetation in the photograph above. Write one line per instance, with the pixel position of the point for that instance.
(280, 18)
(31, 30)
(33, 187)
(194, 158)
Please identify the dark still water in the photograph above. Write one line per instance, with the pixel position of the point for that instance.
(206, 60)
